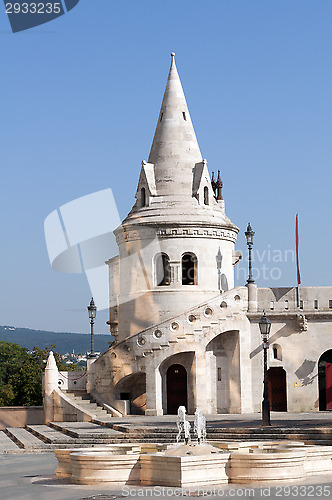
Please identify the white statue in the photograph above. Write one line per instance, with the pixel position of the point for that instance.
(183, 425)
(200, 426)
(187, 428)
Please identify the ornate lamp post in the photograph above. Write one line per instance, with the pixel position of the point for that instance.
(265, 327)
(92, 314)
(250, 241)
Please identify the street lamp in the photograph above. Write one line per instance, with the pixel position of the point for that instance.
(250, 241)
(265, 327)
(92, 314)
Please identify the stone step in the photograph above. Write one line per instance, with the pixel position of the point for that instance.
(7, 445)
(25, 439)
(87, 430)
(82, 401)
(272, 430)
(269, 437)
(85, 402)
(49, 435)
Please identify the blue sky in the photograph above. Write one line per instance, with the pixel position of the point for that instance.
(80, 98)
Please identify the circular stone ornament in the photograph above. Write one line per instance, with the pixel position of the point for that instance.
(191, 318)
(175, 326)
(208, 312)
(141, 341)
(157, 334)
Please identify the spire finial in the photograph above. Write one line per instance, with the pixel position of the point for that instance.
(173, 54)
(214, 185)
(219, 185)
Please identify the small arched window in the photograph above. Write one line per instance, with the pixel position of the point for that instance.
(143, 197)
(206, 195)
(277, 352)
(189, 269)
(162, 270)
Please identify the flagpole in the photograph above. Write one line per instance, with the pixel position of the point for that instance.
(298, 296)
(297, 260)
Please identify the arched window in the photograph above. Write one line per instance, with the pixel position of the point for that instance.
(277, 352)
(162, 269)
(143, 197)
(206, 195)
(189, 269)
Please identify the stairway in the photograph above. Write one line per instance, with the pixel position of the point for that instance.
(43, 438)
(88, 404)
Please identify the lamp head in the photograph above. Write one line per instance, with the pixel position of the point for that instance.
(265, 327)
(249, 235)
(92, 309)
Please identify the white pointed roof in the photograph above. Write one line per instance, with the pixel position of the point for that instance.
(175, 174)
(174, 151)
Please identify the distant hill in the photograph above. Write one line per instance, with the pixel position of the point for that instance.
(64, 342)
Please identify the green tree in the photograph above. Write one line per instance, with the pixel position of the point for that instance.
(21, 373)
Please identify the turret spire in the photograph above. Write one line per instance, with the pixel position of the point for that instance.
(174, 150)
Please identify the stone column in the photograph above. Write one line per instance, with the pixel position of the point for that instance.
(200, 380)
(153, 392)
(252, 297)
(175, 267)
(51, 377)
(90, 378)
(246, 366)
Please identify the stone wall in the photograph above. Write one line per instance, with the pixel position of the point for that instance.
(298, 338)
(19, 416)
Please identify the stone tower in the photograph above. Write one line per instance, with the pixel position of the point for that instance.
(176, 246)
(184, 335)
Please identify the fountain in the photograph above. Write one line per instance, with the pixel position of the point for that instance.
(188, 464)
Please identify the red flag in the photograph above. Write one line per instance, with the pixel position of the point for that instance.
(297, 249)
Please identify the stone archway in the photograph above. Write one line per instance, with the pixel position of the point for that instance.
(325, 380)
(177, 388)
(132, 388)
(276, 377)
(223, 368)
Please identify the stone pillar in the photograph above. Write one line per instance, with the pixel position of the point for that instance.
(200, 381)
(252, 297)
(175, 268)
(90, 378)
(153, 393)
(246, 367)
(51, 377)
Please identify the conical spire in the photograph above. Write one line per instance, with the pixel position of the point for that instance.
(175, 149)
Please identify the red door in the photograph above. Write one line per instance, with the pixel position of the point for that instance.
(328, 377)
(176, 388)
(277, 389)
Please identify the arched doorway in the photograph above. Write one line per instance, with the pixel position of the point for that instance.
(176, 380)
(276, 377)
(325, 380)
